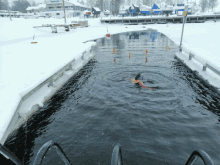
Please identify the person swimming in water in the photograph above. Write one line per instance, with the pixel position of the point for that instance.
(138, 80)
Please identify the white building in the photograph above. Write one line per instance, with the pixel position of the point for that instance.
(54, 8)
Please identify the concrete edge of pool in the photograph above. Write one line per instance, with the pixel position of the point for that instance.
(37, 97)
(193, 65)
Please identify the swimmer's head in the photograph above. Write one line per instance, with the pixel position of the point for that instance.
(138, 76)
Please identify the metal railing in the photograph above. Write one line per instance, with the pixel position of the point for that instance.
(203, 62)
(117, 156)
(40, 155)
(7, 154)
(115, 160)
(202, 154)
(43, 150)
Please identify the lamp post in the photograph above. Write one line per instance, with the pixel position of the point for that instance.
(8, 9)
(64, 11)
(184, 19)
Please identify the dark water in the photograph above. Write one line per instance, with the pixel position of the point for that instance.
(100, 107)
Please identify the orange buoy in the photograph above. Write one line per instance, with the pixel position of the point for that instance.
(114, 60)
(108, 35)
(114, 50)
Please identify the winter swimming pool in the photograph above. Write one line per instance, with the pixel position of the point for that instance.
(100, 107)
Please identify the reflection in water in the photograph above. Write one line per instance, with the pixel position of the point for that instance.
(134, 35)
(153, 36)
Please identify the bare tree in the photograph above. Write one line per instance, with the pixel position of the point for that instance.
(115, 6)
(139, 3)
(3, 5)
(128, 2)
(203, 4)
(20, 5)
(99, 4)
(146, 2)
(91, 3)
(169, 2)
(82, 2)
(106, 5)
(213, 4)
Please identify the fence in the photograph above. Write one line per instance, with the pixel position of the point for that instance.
(203, 62)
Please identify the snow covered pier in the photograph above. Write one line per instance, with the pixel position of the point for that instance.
(160, 19)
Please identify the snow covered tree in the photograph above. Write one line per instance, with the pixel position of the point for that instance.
(139, 3)
(106, 5)
(146, 2)
(213, 4)
(20, 5)
(91, 3)
(99, 4)
(32, 2)
(169, 2)
(203, 4)
(115, 6)
(128, 2)
(3, 5)
(81, 2)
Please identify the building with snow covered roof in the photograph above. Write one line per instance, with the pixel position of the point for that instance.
(55, 8)
(96, 11)
(124, 10)
(134, 10)
(107, 12)
(145, 10)
(156, 9)
(36, 9)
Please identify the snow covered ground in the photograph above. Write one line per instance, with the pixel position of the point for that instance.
(23, 65)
